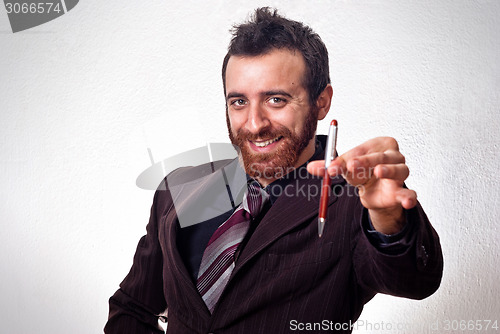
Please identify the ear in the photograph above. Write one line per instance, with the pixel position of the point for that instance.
(324, 101)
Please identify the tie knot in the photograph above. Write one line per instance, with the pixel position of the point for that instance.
(256, 197)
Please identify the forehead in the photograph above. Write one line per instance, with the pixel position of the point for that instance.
(277, 68)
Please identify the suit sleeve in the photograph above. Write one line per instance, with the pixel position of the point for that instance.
(138, 304)
(414, 272)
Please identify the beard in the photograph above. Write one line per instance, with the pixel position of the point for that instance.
(281, 161)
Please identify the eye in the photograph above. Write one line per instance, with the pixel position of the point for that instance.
(277, 101)
(238, 102)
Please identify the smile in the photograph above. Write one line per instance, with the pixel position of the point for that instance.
(267, 142)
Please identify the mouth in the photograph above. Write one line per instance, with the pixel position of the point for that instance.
(266, 143)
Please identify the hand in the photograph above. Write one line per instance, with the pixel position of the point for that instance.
(378, 170)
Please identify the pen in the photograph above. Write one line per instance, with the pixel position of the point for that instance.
(331, 144)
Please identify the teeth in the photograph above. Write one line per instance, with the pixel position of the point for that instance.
(267, 142)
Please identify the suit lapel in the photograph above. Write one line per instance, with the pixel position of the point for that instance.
(203, 193)
(178, 271)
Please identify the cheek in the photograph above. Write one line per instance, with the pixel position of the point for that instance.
(288, 121)
(233, 122)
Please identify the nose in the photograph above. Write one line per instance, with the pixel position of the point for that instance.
(257, 119)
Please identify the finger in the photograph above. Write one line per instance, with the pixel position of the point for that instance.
(379, 144)
(316, 167)
(398, 172)
(371, 160)
(407, 198)
(337, 166)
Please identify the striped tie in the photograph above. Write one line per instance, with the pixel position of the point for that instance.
(217, 262)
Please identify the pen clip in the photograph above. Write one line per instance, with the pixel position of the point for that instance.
(331, 143)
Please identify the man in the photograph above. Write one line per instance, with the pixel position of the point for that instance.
(280, 276)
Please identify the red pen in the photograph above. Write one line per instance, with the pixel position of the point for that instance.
(331, 144)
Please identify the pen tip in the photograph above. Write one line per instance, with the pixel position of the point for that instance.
(334, 122)
(321, 227)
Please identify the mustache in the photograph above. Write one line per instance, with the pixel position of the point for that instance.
(264, 134)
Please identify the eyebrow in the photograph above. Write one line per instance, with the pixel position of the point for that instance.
(234, 94)
(267, 93)
(277, 92)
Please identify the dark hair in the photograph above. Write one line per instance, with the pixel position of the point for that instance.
(266, 31)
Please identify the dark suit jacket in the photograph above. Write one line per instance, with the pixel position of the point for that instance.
(284, 275)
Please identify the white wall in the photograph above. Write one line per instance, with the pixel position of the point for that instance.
(83, 97)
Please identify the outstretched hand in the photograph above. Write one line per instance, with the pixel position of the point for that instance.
(378, 170)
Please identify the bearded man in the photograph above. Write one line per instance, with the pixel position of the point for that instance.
(261, 267)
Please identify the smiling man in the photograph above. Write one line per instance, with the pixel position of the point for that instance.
(261, 267)
(269, 114)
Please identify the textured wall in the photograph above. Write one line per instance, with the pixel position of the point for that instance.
(84, 96)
